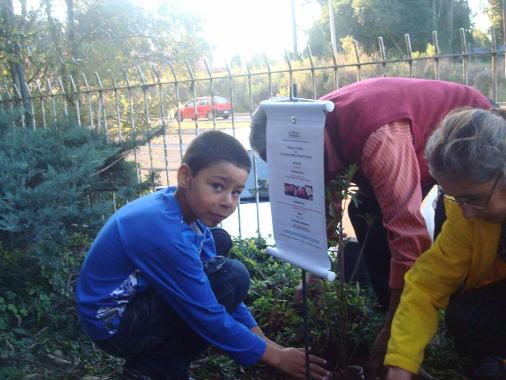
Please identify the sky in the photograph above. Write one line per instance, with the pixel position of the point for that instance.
(247, 27)
(481, 19)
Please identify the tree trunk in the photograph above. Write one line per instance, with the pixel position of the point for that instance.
(15, 58)
(450, 25)
(72, 49)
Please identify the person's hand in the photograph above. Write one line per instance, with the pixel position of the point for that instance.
(292, 361)
(314, 289)
(258, 331)
(395, 373)
(375, 368)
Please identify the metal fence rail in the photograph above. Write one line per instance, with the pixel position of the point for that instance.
(146, 98)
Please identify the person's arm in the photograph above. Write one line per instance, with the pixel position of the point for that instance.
(178, 275)
(389, 163)
(176, 271)
(379, 347)
(257, 330)
(395, 373)
(436, 275)
(243, 315)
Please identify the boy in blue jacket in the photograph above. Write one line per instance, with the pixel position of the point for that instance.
(152, 289)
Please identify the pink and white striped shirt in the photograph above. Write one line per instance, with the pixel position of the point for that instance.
(390, 163)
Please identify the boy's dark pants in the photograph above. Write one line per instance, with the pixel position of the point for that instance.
(476, 320)
(156, 342)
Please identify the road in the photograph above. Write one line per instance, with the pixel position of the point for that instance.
(171, 146)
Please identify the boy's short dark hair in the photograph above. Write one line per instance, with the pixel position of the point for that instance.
(212, 147)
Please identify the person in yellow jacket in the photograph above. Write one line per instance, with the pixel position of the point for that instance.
(464, 271)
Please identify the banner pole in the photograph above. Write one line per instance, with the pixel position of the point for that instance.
(293, 94)
(306, 323)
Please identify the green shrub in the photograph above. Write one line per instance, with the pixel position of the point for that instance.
(342, 321)
(56, 189)
(270, 299)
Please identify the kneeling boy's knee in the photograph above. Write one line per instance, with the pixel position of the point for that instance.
(229, 281)
(240, 276)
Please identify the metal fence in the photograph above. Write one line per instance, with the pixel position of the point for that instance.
(147, 98)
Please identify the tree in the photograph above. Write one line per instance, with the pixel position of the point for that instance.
(480, 39)
(449, 17)
(98, 36)
(57, 182)
(495, 13)
(366, 20)
(13, 36)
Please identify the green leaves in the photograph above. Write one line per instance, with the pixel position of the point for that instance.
(52, 183)
(96, 36)
(338, 192)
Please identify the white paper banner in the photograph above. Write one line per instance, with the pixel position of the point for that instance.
(296, 183)
(428, 209)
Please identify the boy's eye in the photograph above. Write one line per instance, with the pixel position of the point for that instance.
(217, 186)
(236, 193)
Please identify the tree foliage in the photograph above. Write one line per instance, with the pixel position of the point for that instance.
(95, 36)
(57, 186)
(366, 20)
(495, 14)
(56, 182)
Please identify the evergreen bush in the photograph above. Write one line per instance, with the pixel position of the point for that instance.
(56, 191)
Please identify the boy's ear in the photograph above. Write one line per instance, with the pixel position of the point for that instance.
(184, 175)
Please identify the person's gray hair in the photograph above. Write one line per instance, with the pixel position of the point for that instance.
(258, 131)
(257, 135)
(470, 144)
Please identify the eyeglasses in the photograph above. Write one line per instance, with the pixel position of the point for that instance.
(475, 201)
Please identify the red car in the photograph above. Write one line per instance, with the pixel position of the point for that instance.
(206, 107)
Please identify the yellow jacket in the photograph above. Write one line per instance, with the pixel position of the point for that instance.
(463, 257)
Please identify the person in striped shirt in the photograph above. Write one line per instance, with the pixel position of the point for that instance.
(382, 125)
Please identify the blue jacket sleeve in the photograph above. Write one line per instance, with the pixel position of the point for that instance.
(176, 271)
(243, 314)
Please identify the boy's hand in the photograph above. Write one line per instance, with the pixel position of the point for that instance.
(292, 362)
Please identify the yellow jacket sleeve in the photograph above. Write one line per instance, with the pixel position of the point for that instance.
(438, 273)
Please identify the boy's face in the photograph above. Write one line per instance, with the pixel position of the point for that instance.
(213, 194)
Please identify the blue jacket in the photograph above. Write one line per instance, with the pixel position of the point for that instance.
(147, 244)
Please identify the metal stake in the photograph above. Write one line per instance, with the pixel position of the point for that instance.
(306, 323)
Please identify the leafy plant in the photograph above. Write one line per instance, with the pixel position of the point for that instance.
(270, 299)
(55, 192)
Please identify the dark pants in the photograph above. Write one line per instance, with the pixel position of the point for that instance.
(156, 342)
(376, 252)
(476, 320)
